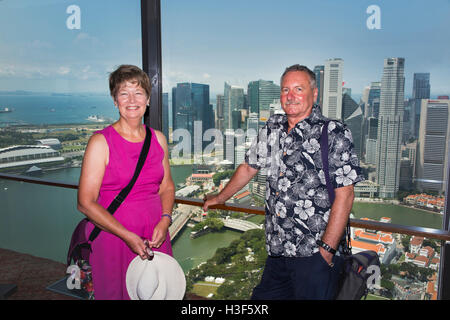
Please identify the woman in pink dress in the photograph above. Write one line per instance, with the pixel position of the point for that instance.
(109, 163)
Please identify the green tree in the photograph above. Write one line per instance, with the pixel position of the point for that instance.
(222, 175)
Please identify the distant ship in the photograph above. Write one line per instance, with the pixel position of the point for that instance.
(5, 110)
(96, 118)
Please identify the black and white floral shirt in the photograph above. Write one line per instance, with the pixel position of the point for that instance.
(297, 205)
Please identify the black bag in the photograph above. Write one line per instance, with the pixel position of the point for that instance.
(357, 268)
(358, 272)
(80, 247)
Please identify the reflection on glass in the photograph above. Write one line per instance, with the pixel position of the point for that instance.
(390, 93)
(54, 94)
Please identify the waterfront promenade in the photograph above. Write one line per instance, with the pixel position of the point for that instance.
(180, 217)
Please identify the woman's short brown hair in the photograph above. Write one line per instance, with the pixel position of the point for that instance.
(130, 73)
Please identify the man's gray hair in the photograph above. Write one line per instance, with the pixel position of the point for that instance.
(298, 67)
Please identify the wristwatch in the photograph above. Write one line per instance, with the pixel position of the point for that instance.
(322, 244)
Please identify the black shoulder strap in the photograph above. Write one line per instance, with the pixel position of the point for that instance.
(325, 166)
(125, 191)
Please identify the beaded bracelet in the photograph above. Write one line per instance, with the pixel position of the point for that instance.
(168, 216)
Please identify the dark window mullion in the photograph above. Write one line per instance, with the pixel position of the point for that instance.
(151, 58)
(444, 277)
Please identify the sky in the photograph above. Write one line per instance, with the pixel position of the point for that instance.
(38, 52)
(212, 42)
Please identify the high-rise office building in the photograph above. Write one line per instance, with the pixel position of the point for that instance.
(421, 86)
(191, 103)
(219, 112)
(261, 93)
(407, 166)
(319, 72)
(371, 141)
(432, 154)
(421, 90)
(236, 119)
(353, 116)
(374, 99)
(252, 127)
(371, 102)
(390, 126)
(332, 89)
(365, 100)
(233, 100)
(409, 120)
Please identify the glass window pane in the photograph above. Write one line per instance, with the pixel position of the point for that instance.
(55, 61)
(379, 68)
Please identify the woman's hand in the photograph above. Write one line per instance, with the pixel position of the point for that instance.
(160, 233)
(137, 245)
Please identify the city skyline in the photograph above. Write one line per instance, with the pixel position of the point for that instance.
(201, 44)
(237, 55)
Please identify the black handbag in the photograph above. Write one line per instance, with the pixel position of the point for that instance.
(80, 246)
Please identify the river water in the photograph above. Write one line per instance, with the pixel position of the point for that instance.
(39, 220)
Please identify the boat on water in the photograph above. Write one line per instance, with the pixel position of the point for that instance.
(96, 118)
(5, 110)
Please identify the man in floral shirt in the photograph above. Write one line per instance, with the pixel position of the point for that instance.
(303, 229)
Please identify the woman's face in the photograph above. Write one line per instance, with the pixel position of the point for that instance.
(132, 100)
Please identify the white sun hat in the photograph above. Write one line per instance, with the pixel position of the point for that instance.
(158, 279)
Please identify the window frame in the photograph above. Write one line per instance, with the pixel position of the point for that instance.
(151, 59)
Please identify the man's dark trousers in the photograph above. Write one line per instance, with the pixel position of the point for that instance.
(303, 278)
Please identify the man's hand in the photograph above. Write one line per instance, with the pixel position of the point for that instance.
(243, 174)
(211, 200)
(327, 256)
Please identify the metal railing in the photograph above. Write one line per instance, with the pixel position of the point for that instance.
(431, 233)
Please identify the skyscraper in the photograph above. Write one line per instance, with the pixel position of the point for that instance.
(191, 103)
(432, 157)
(233, 100)
(219, 112)
(332, 89)
(390, 122)
(421, 86)
(353, 116)
(371, 141)
(261, 93)
(421, 90)
(319, 71)
(374, 99)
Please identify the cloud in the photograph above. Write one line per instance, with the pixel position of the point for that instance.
(7, 71)
(63, 70)
(84, 38)
(39, 44)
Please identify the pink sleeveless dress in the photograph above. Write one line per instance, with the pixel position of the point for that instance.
(139, 213)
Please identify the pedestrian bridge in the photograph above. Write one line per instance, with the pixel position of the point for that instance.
(240, 225)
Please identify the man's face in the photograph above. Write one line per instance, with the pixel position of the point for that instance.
(297, 97)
